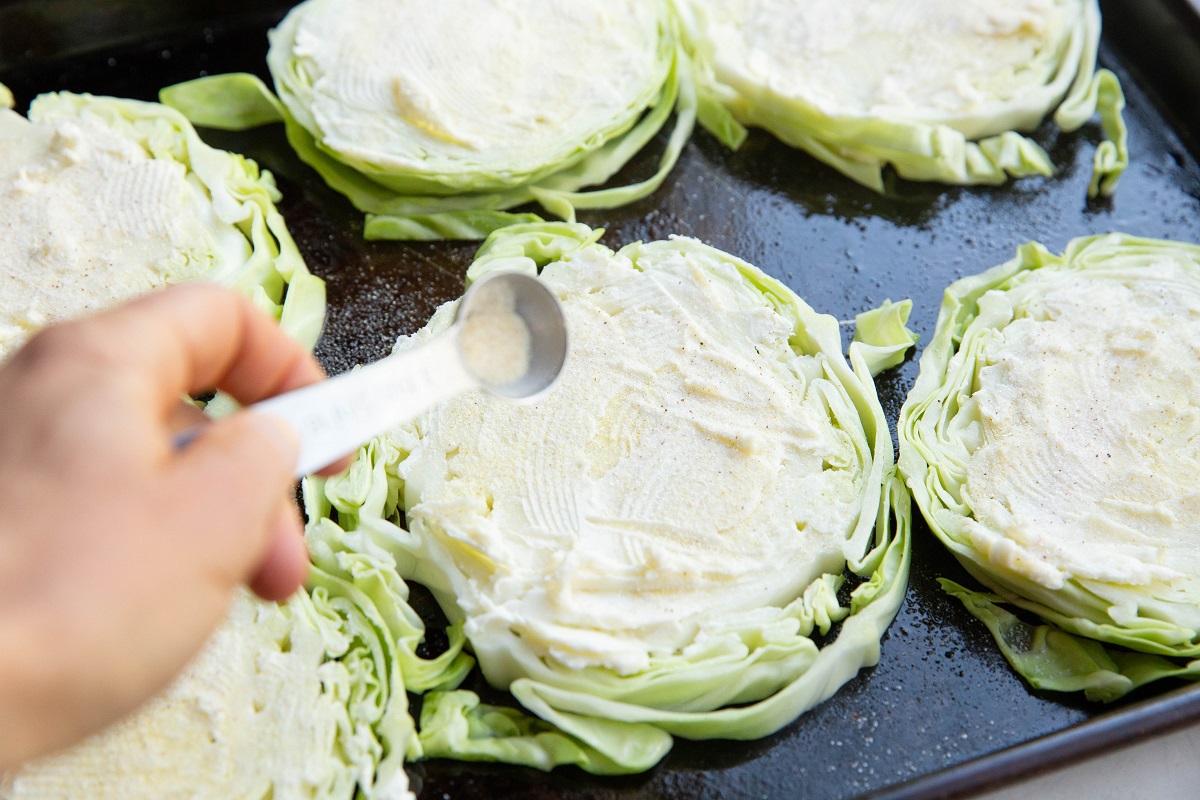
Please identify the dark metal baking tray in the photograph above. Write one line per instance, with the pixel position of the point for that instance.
(942, 714)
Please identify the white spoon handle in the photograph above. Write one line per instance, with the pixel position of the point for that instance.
(337, 415)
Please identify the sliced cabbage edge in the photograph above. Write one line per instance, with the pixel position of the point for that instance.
(861, 147)
(274, 276)
(1052, 659)
(884, 336)
(595, 719)
(276, 633)
(239, 101)
(1081, 646)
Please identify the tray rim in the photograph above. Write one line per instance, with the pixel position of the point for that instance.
(1107, 731)
(1102, 734)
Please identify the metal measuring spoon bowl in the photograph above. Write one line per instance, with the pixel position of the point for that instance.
(509, 337)
(512, 335)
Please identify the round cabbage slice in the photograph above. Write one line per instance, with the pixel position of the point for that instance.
(301, 700)
(102, 199)
(1051, 443)
(435, 116)
(938, 89)
(259, 713)
(697, 532)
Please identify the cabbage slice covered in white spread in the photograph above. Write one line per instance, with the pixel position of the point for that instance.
(102, 199)
(652, 548)
(250, 718)
(435, 116)
(1050, 441)
(301, 700)
(938, 89)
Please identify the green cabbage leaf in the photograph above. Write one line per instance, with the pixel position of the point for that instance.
(883, 336)
(272, 273)
(980, 143)
(272, 707)
(1105, 629)
(749, 677)
(470, 199)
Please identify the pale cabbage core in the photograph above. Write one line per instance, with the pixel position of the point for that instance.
(684, 473)
(898, 59)
(1088, 465)
(250, 718)
(432, 86)
(88, 217)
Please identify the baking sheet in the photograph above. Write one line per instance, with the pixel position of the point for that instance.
(942, 698)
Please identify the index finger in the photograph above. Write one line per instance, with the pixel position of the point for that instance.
(197, 337)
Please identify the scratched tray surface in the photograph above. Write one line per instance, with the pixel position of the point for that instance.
(942, 695)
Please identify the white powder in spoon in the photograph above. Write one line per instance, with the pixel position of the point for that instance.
(495, 341)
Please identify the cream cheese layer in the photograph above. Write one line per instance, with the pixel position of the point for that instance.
(442, 86)
(1087, 463)
(685, 472)
(89, 217)
(917, 60)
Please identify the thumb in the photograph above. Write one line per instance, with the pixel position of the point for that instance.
(234, 475)
(284, 567)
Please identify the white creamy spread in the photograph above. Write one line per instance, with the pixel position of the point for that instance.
(895, 59)
(1088, 464)
(511, 84)
(88, 217)
(684, 471)
(249, 719)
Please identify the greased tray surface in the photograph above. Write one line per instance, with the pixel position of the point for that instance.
(942, 698)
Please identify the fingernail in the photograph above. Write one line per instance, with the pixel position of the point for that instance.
(282, 435)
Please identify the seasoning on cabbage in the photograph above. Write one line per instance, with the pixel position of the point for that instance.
(435, 117)
(261, 712)
(698, 532)
(1051, 443)
(937, 89)
(102, 199)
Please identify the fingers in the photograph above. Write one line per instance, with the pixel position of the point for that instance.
(232, 476)
(206, 337)
(184, 416)
(337, 467)
(284, 567)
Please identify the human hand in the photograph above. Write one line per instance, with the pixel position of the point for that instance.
(118, 552)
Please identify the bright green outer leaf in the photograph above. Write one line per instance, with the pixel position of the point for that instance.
(934, 451)
(456, 725)
(745, 684)
(274, 276)
(436, 227)
(1052, 659)
(983, 147)
(414, 205)
(226, 102)
(363, 613)
(1102, 95)
(883, 335)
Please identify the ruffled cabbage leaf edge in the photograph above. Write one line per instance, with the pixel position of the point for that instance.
(1088, 641)
(403, 208)
(274, 276)
(604, 723)
(862, 147)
